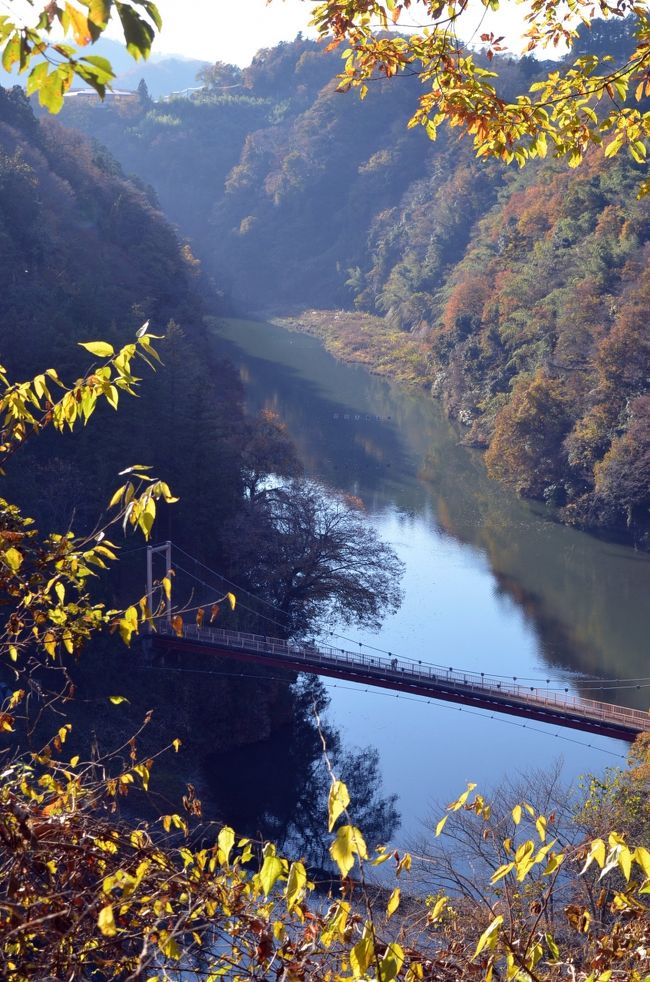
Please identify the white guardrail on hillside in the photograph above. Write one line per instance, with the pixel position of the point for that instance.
(393, 668)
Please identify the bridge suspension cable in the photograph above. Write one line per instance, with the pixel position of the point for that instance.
(395, 695)
(641, 682)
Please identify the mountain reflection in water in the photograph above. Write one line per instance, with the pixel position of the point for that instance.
(493, 583)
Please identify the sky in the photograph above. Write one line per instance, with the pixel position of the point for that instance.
(234, 30)
(228, 30)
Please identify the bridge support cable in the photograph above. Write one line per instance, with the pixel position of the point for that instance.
(152, 551)
(465, 688)
(601, 683)
(387, 671)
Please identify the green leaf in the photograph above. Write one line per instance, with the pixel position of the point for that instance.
(50, 93)
(98, 348)
(138, 34)
(36, 77)
(338, 801)
(552, 946)
(153, 12)
(391, 964)
(103, 68)
(98, 13)
(11, 53)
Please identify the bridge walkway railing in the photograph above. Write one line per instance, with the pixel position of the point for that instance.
(400, 671)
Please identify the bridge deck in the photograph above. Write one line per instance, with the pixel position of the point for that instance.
(479, 690)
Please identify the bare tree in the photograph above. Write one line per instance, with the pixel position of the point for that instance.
(314, 556)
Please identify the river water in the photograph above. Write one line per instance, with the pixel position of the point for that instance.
(492, 583)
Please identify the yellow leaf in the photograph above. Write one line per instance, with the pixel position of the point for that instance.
(361, 956)
(516, 814)
(176, 744)
(438, 908)
(338, 801)
(347, 843)
(642, 857)
(226, 841)
(13, 559)
(295, 884)
(393, 902)
(117, 497)
(169, 947)
(98, 348)
(116, 700)
(489, 935)
(106, 922)
(501, 872)
(625, 861)
(232, 600)
(79, 24)
(18, 696)
(271, 871)
(459, 802)
(441, 824)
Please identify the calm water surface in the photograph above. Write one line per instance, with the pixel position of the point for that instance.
(492, 583)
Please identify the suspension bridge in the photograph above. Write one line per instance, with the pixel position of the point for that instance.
(385, 670)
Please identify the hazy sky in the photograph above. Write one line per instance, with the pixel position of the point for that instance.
(229, 30)
(233, 30)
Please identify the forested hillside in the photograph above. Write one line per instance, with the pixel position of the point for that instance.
(87, 255)
(518, 298)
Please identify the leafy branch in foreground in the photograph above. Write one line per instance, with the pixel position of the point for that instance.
(82, 891)
(593, 102)
(53, 65)
(45, 580)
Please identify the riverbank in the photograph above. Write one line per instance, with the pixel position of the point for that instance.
(528, 440)
(362, 339)
(491, 584)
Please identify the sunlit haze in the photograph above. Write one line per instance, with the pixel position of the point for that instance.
(234, 30)
(229, 30)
